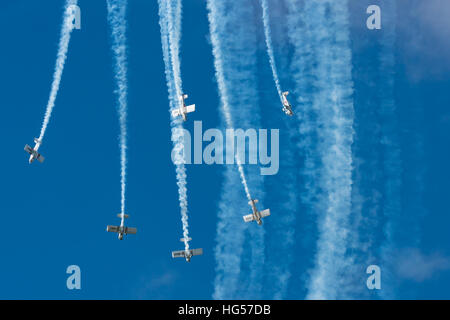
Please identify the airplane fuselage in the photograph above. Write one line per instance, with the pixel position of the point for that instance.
(34, 153)
(183, 110)
(256, 213)
(187, 253)
(257, 217)
(121, 230)
(287, 108)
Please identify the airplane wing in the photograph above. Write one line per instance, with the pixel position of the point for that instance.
(178, 254)
(112, 229)
(130, 230)
(265, 213)
(197, 252)
(190, 108)
(40, 158)
(248, 218)
(28, 149)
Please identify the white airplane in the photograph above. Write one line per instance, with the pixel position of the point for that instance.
(256, 215)
(34, 151)
(188, 254)
(287, 108)
(121, 230)
(183, 110)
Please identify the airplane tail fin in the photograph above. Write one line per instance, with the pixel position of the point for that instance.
(36, 140)
(285, 93)
(119, 215)
(187, 240)
(255, 201)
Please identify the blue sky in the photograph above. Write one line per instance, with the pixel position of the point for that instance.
(55, 214)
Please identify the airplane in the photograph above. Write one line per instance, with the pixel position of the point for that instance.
(256, 215)
(287, 108)
(33, 151)
(188, 254)
(183, 110)
(121, 230)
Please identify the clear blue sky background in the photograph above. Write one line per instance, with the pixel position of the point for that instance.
(55, 214)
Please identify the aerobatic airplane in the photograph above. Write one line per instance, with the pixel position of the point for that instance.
(183, 110)
(121, 230)
(287, 108)
(34, 151)
(188, 254)
(256, 215)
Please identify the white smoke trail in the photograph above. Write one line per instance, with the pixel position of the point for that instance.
(239, 270)
(170, 25)
(117, 22)
(367, 217)
(230, 238)
(301, 30)
(282, 227)
(173, 19)
(332, 107)
(392, 162)
(335, 80)
(66, 30)
(367, 195)
(268, 37)
(223, 89)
